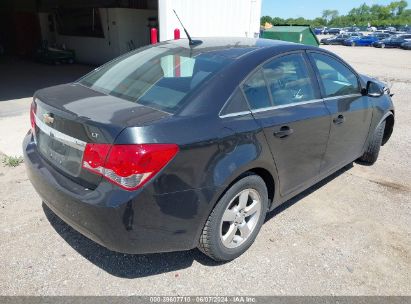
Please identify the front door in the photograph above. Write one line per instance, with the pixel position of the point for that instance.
(285, 101)
(350, 111)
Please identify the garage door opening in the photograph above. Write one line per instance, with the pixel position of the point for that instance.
(49, 42)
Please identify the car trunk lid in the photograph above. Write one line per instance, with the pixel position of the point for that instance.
(67, 117)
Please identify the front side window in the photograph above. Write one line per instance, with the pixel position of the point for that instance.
(288, 80)
(160, 77)
(336, 78)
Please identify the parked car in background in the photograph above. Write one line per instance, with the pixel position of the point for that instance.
(332, 31)
(319, 30)
(406, 29)
(361, 41)
(368, 40)
(406, 45)
(381, 36)
(339, 39)
(352, 29)
(395, 32)
(372, 29)
(392, 42)
(136, 157)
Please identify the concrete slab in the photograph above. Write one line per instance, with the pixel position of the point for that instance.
(19, 79)
(12, 131)
(15, 107)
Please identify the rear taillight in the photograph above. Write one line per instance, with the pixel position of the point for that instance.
(33, 116)
(128, 166)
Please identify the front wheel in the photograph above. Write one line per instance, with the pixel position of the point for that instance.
(370, 155)
(236, 220)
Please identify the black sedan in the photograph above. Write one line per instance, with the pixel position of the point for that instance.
(392, 42)
(339, 39)
(177, 146)
(406, 45)
(332, 31)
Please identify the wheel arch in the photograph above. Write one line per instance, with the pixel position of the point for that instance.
(268, 177)
(265, 174)
(389, 126)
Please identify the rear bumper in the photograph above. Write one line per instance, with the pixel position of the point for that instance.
(128, 222)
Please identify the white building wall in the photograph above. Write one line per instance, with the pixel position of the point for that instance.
(132, 24)
(202, 18)
(120, 25)
(208, 18)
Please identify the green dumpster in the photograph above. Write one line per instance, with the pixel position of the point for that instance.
(297, 34)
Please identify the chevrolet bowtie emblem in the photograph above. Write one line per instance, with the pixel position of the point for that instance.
(48, 119)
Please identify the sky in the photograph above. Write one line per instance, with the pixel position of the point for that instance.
(310, 8)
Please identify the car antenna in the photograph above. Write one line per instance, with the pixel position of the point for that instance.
(191, 41)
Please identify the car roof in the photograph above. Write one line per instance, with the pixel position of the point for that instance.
(229, 47)
(246, 54)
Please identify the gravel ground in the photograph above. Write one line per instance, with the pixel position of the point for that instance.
(349, 235)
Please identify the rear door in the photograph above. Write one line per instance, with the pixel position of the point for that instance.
(285, 100)
(351, 112)
(342, 38)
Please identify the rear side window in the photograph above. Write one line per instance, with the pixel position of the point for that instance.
(336, 78)
(160, 77)
(235, 104)
(255, 90)
(288, 80)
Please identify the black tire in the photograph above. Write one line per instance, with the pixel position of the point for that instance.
(370, 155)
(210, 241)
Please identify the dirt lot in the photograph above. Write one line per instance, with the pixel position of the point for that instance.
(350, 235)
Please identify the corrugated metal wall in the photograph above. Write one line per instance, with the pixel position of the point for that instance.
(207, 18)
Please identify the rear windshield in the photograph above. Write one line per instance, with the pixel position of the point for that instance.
(160, 77)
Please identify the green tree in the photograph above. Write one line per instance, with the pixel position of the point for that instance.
(395, 13)
(329, 15)
(319, 21)
(397, 7)
(265, 19)
(278, 21)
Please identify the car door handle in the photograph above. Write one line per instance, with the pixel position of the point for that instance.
(339, 120)
(284, 132)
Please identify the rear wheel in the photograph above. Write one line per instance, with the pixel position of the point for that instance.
(236, 220)
(370, 155)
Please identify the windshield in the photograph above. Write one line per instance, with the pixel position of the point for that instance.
(160, 77)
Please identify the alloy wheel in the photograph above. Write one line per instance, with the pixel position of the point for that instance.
(240, 218)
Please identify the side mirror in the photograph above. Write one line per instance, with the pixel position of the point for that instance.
(373, 90)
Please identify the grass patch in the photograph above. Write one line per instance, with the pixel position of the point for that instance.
(12, 161)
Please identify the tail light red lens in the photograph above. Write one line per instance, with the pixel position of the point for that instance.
(33, 116)
(128, 166)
